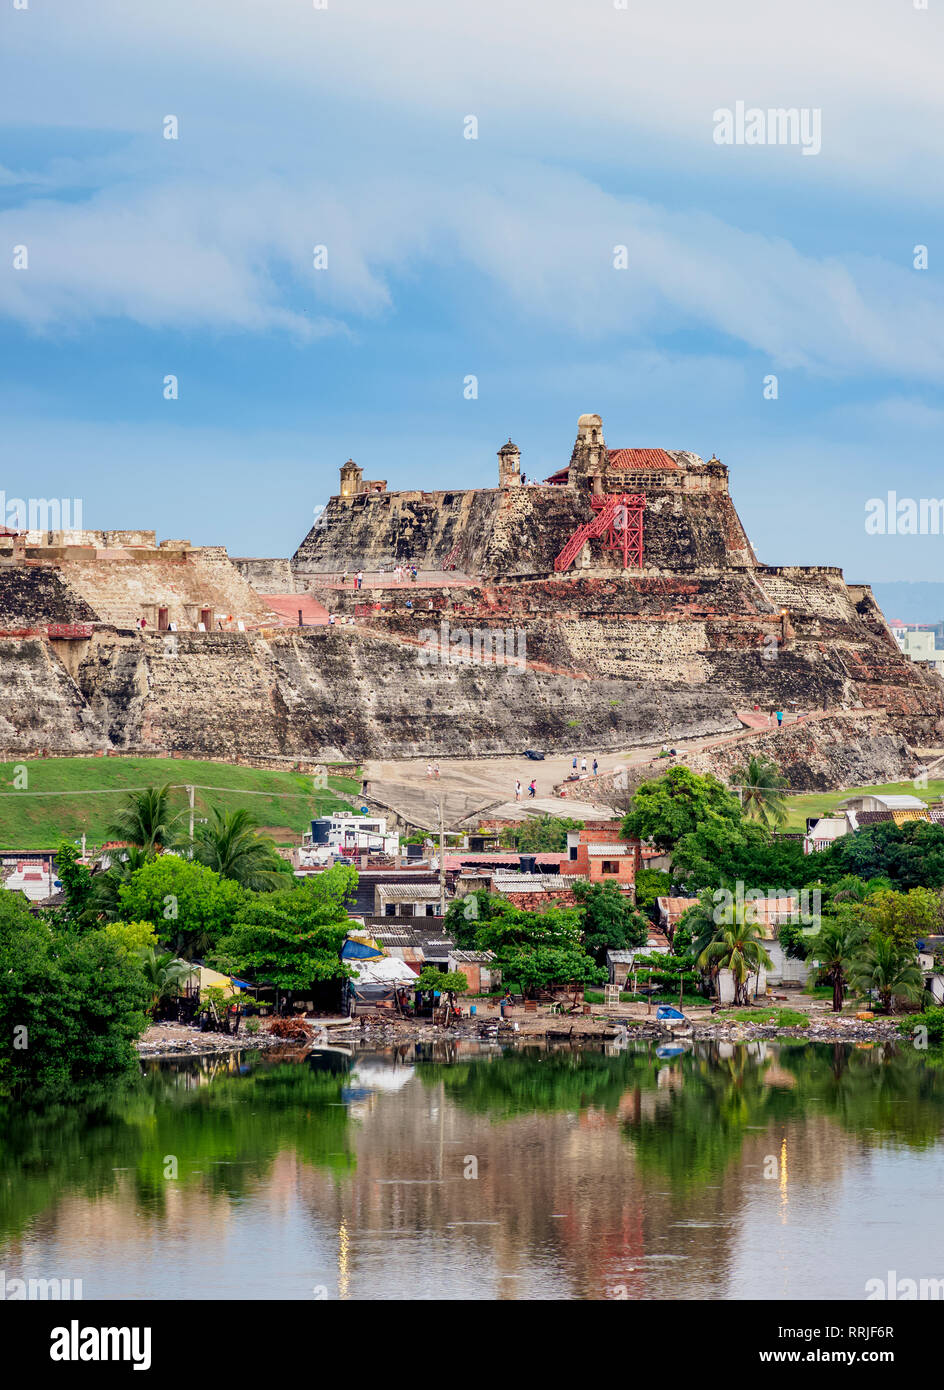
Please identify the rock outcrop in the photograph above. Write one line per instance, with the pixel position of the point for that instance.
(590, 654)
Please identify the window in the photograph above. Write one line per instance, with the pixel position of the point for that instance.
(610, 866)
(573, 851)
(390, 909)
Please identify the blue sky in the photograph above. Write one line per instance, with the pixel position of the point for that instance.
(449, 257)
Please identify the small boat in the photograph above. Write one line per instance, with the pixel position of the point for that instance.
(674, 1020)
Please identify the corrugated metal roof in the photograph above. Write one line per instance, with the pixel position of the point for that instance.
(533, 883)
(408, 892)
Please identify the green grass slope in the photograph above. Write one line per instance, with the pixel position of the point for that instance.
(89, 790)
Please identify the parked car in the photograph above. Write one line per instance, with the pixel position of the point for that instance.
(534, 755)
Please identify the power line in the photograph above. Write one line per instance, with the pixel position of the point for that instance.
(172, 786)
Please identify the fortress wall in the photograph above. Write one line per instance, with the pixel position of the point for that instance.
(40, 705)
(229, 694)
(34, 597)
(515, 532)
(266, 576)
(124, 589)
(320, 693)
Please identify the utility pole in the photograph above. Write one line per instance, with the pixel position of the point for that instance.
(442, 862)
(190, 799)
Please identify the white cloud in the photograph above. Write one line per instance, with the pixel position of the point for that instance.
(540, 241)
(575, 75)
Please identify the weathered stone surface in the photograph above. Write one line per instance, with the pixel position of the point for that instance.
(628, 658)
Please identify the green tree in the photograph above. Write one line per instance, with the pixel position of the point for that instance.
(132, 937)
(449, 984)
(76, 881)
(544, 967)
(836, 946)
(71, 1005)
(761, 787)
(610, 922)
(699, 923)
(884, 968)
(506, 928)
(736, 946)
(547, 834)
(911, 855)
(146, 820)
(292, 937)
(903, 916)
(229, 845)
(162, 974)
(104, 901)
(665, 810)
(189, 905)
(652, 884)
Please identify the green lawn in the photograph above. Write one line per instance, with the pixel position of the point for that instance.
(41, 822)
(821, 803)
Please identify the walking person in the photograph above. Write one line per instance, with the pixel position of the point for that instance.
(429, 769)
(359, 579)
(595, 766)
(583, 764)
(532, 788)
(436, 771)
(518, 789)
(779, 718)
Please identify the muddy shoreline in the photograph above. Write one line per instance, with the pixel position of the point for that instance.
(178, 1041)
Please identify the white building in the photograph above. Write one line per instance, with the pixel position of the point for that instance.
(339, 834)
(32, 879)
(920, 643)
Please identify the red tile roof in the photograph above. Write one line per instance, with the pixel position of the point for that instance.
(644, 460)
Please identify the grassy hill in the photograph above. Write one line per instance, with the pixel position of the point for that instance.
(89, 790)
(821, 803)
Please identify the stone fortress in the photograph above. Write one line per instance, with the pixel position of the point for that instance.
(647, 618)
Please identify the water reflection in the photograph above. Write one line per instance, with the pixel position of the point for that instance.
(459, 1170)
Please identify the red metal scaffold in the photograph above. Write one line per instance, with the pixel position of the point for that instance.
(619, 517)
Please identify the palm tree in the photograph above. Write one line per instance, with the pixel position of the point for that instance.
(888, 970)
(835, 947)
(104, 899)
(736, 946)
(701, 919)
(760, 785)
(145, 820)
(229, 845)
(162, 973)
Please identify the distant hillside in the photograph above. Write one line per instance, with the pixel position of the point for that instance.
(913, 602)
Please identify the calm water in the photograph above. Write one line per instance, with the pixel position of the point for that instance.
(461, 1171)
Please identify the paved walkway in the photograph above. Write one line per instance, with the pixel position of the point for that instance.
(373, 579)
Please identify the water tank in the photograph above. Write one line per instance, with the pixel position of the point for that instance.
(319, 830)
(528, 863)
